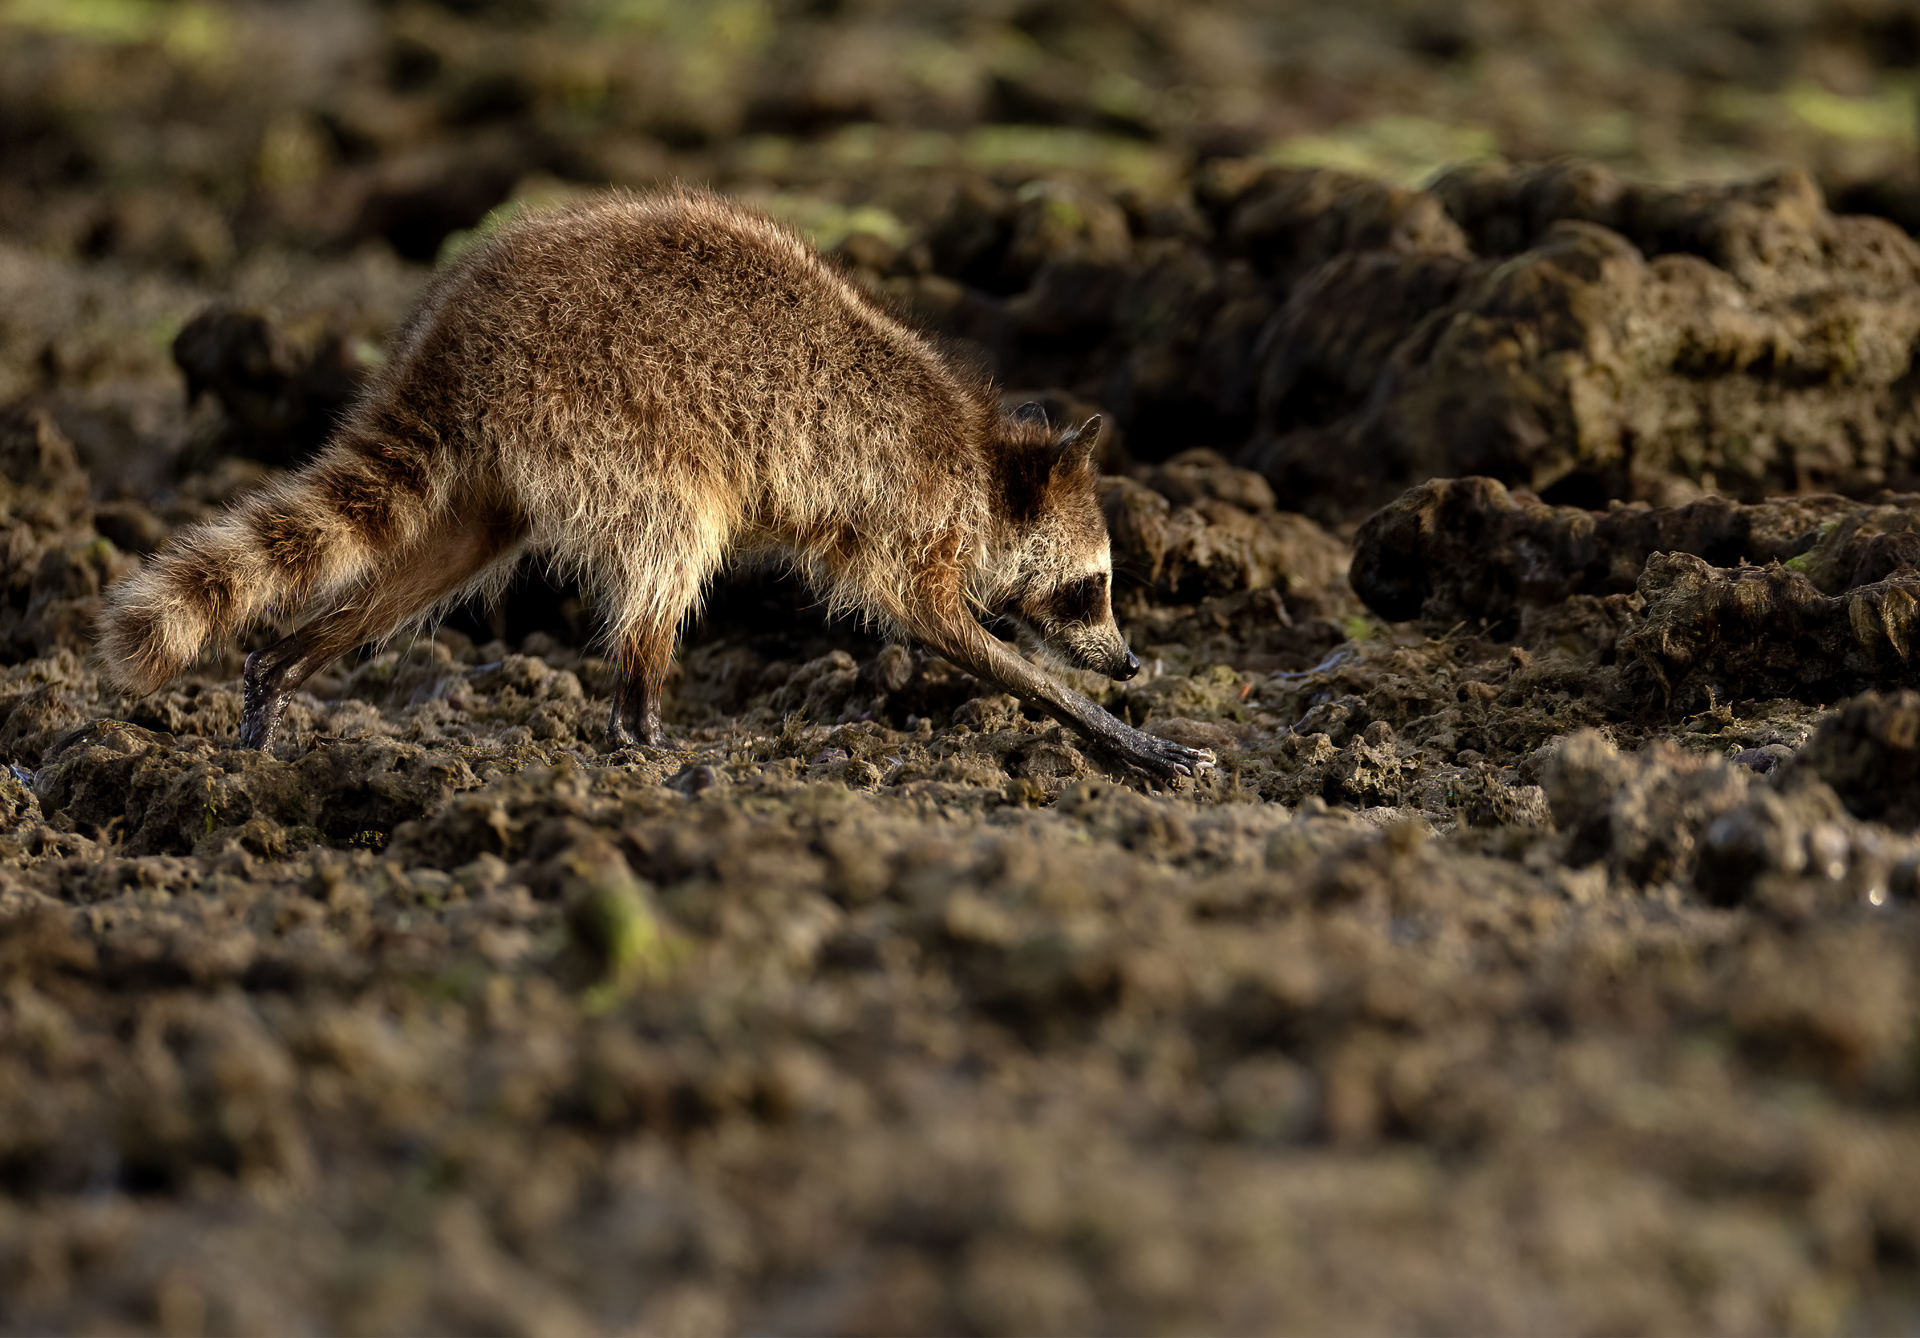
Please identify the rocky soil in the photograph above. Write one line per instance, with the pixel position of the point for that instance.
(1535, 540)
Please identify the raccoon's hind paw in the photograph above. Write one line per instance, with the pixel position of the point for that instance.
(634, 726)
(262, 701)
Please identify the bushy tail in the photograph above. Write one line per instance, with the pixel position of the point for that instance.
(308, 536)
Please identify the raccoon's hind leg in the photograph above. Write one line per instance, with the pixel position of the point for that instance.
(649, 582)
(645, 658)
(452, 554)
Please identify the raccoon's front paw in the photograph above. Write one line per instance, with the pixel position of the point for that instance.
(1163, 757)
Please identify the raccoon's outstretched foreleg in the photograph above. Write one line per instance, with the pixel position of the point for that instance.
(455, 553)
(985, 656)
(949, 631)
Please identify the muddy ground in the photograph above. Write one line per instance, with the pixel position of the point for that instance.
(1514, 473)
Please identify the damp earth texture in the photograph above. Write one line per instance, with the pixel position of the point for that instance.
(1512, 459)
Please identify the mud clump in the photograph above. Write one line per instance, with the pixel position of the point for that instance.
(52, 563)
(1468, 548)
(1196, 526)
(1766, 632)
(1661, 816)
(1869, 752)
(1674, 591)
(158, 795)
(1632, 343)
(1644, 813)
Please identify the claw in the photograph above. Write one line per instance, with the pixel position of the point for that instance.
(1184, 761)
(1167, 759)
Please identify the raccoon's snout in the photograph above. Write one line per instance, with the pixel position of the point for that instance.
(1128, 669)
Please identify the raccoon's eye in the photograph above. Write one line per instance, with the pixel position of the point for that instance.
(1079, 601)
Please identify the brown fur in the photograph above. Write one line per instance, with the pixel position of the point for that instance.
(642, 389)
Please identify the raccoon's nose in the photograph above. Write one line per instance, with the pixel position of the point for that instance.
(1129, 669)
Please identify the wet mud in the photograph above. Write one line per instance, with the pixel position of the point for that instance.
(1534, 546)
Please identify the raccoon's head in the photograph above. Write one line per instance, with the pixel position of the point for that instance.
(1062, 589)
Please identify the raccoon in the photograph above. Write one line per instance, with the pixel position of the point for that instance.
(641, 390)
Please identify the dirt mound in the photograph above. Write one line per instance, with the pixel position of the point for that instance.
(1766, 631)
(1629, 343)
(1468, 548)
(1195, 526)
(1866, 751)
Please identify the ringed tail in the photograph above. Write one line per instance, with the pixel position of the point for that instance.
(314, 534)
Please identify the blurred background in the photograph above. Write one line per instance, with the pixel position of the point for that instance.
(194, 134)
(308, 158)
(205, 141)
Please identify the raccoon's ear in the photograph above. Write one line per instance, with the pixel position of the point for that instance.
(1031, 412)
(1077, 447)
